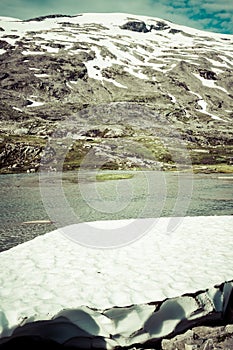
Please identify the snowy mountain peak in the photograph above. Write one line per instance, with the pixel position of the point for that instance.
(54, 66)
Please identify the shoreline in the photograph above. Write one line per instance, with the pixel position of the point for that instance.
(195, 169)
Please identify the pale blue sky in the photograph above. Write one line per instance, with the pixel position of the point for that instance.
(212, 15)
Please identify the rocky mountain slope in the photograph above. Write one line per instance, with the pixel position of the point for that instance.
(135, 91)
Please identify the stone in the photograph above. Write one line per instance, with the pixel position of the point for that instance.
(207, 74)
(135, 26)
(203, 338)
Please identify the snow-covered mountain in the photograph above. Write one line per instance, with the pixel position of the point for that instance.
(101, 78)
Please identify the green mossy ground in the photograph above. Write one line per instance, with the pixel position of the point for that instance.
(120, 176)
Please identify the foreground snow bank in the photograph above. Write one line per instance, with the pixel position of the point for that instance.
(156, 286)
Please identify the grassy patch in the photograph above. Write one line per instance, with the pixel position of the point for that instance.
(213, 168)
(120, 176)
(24, 139)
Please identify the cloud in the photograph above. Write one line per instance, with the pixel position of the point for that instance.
(224, 5)
(203, 14)
(214, 15)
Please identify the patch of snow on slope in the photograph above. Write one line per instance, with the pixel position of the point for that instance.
(35, 103)
(44, 75)
(224, 58)
(173, 99)
(50, 49)
(116, 83)
(217, 63)
(217, 70)
(28, 52)
(69, 86)
(17, 109)
(173, 65)
(142, 51)
(128, 56)
(209, 83)
(136, 72)
(204, 105)
(94, 66)
(52, 36)
(181, 39)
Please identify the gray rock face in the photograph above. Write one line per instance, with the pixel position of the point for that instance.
(162, 26)
(202, 338)
(57, 71)
(136, 26)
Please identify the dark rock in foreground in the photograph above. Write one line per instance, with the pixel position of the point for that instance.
(202, 338)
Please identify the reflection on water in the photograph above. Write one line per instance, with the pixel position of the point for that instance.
(74, 198)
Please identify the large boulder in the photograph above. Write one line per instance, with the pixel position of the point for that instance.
(136, 26)
(208, 338)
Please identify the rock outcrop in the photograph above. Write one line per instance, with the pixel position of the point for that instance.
(136, 26)
(202, 338)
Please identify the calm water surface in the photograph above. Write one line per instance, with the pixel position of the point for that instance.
(70, 198)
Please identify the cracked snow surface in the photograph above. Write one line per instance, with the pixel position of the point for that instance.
(122, 296)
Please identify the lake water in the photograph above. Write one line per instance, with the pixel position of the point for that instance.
(77, 197)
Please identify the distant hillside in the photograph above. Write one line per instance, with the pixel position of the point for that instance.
(100, 81)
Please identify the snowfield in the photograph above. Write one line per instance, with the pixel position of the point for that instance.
(55, 279)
